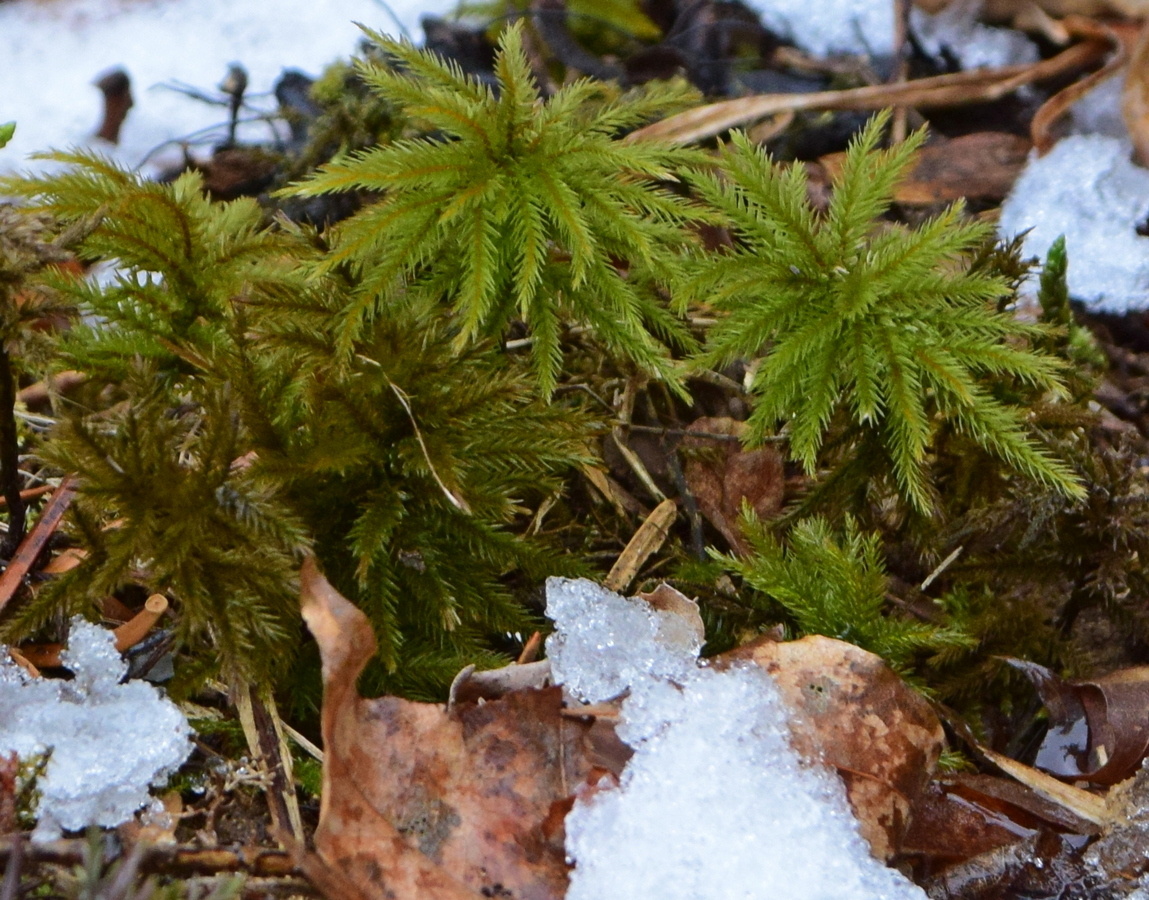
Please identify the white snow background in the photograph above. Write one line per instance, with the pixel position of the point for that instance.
(52, 50)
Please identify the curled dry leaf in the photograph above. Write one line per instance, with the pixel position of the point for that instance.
(1099, 729)
(855, 713)
(421, 803)
(667, 599)
(721, 475)
(964, 816)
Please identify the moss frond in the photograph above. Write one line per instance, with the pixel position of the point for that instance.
(836, 586)
(517, 196)
(889, 323)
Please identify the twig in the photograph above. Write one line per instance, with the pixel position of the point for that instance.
(959, 89)
(30, 493)
(164, 859)
(531, 649)
(902, 69)
(37, 539)
(1041, 127)
(942, 566)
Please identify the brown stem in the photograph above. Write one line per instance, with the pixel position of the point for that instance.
(10, 458)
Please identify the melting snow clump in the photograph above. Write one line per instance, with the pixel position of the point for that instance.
(867, 27)
(108, 740)
(626, 639)
(956, 30)
(715, 803)
(1088, 189)
(838, 26)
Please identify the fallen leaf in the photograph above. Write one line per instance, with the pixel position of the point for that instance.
(950, 827)
(1099, 729)
(419, 802)
(722, 475)
(667, 599)
(964, 816)
(980, 166)
(852, 711)
(1082, 803)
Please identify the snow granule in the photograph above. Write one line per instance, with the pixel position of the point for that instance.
(108, 741)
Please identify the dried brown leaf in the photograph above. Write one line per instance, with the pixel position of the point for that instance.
(722, 475)
(420, 802)
(851, 710)
(1099, 729)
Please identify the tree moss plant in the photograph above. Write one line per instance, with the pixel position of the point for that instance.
(258, 389)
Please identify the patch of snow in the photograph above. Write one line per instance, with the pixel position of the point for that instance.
(833, 26)
(1088, 189)
(626, 638)
(1099, 111)
(867, 27)
(109, 741)
(715, 803)
(50, 53)
(975, 46)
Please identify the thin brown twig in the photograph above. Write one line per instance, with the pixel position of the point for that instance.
(961, 88)
(166, 859)
(30, 493)
(31, 547)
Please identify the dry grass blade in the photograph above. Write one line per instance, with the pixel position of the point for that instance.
(978, 86)
(263, 730)
(1082, 803)
(650, 536)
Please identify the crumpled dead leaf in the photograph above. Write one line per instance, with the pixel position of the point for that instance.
(721, 475)
(419, 802)
(963, 816)
(852, 711)
(1099, 729)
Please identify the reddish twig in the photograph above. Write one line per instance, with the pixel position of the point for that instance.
(37, 538)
